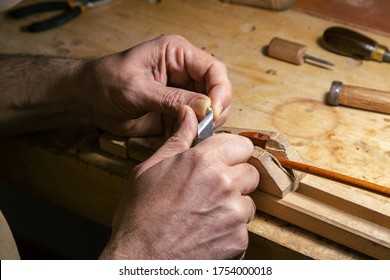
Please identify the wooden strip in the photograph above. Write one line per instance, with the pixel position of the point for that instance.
(334, 176)
(327, 221)
(371, 207)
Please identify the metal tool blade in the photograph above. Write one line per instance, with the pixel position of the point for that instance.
(205, 127)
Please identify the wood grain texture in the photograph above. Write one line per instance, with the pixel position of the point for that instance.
(327, 221)
(364, 98)
(268, 94)
(356, 218)
(90, 183)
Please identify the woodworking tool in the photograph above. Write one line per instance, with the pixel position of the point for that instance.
(72, 9)
(351, 43)
(205, 127)
(268, 4)
(292, 52)
(279, 153)
(359, 97)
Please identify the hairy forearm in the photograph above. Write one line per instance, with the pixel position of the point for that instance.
(38, 93)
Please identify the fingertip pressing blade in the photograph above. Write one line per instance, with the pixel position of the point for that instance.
(205, 127)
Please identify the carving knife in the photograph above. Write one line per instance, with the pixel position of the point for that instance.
(205, 127)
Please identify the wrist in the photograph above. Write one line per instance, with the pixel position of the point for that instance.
(40, 93)
(122, 249)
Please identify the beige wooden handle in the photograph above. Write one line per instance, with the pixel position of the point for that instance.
(359, 97)
(287, 51)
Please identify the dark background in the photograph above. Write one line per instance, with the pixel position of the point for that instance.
(43, 230)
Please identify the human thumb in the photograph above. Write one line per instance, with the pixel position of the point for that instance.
(168, 100)
(181, 140)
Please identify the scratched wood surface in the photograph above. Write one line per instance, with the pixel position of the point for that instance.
(268, 94)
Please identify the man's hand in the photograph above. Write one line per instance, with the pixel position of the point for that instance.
(187, 203)
(139, 91)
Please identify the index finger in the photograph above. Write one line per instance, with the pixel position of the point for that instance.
(201, 66)
(186, 63)
(231, 149)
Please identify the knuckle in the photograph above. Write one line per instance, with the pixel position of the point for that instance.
(136, 172)
(246, 142)
(237, 212)
(178, 142)
(253, 173)
(173, 99)
(200, 157)
(225, 181)
(166, 39)
(220, 65)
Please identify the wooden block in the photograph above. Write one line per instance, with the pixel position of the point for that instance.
(366, 236)
(137, 148)
(114, 145)
(274, 179)
(355, 218)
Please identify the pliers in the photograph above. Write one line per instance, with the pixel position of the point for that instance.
(72, 9)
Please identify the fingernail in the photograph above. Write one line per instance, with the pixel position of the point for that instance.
(200, 106)
(218, 110)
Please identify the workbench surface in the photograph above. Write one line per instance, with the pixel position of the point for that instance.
(268, 94)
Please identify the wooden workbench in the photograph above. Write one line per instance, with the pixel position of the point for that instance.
(268, 95)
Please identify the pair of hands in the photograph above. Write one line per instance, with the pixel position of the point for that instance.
(183, 202)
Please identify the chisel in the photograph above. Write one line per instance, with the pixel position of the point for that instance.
(292, 52)
(351, 43)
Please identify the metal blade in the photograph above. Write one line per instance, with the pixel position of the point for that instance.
(205, 127)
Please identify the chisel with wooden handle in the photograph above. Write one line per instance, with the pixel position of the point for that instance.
(354, 44)
(359, 97)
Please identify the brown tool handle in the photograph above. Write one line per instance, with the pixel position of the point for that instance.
(269, 4)
(359, 97)
(337, 177)
(287, 51)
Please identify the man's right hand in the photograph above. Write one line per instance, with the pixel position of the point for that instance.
(187, 203)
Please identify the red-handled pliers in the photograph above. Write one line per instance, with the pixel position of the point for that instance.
(71, 10)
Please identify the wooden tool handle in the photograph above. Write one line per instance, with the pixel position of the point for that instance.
(269, 4)
(349, 42)
(358, 97)
(287, 51)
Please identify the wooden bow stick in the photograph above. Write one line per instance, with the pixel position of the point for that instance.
(279, 152)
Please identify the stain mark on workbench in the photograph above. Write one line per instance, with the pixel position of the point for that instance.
(387, 127)
(304, 118)
(76, 42)
(271, 72)
(247, 27)
(298, 144)
(59, 46)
